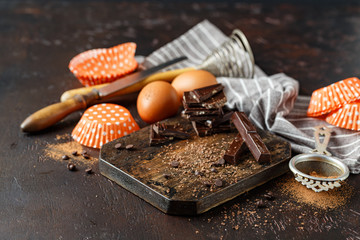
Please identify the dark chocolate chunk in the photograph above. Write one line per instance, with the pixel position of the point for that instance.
(252, 139)
(170, 131)
(156, 139)
(74, 153)
(202, 94)
(174, 164)
(71, 167)
(118, 146)
(218, 183)
(65, 157)
(234, 151)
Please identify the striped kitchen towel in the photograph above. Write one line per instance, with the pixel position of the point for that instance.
(272, 102)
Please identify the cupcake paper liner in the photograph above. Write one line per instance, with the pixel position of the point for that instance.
(346, 117)
(103, 123)
(334, 96)
(103, 65)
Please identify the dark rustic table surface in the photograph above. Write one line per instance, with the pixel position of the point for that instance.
(317, 44)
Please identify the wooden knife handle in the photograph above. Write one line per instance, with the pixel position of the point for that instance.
(162, 76)
(52, 114)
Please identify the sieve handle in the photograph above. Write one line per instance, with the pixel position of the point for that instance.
(320, 147)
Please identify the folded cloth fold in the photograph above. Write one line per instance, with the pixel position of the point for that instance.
(272, 102)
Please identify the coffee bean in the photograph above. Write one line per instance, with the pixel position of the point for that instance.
(71, 167)
(218, 183)
(129, 147)
(174, 164)
(118, 145)
(207, 184)
(65, 157)
(88, 171)
(74, 153)
(260, 204)
(269, 196)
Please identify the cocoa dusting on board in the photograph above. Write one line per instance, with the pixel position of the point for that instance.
(66, 146)
(202, 161)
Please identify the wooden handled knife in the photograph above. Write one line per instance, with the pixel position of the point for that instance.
(52, 114)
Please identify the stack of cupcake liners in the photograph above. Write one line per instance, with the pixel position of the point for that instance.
(104, 65)
(339, 103)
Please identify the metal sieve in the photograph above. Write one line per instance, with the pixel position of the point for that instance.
(319, 170)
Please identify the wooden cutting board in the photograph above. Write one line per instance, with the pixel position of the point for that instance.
(146, 170)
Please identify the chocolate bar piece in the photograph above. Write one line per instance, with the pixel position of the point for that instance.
(189, 102)
(198, 117)
(202, 111)
(235, 149)
(251, 137)
(169, 131)
(202, 94)
(202, 130)
(217, 121)
(216, 101)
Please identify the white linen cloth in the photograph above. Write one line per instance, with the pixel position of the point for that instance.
(272, 102)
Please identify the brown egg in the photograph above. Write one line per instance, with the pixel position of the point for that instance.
(157, 101)
(191, 80)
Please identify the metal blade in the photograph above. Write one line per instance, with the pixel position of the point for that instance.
(134, 78)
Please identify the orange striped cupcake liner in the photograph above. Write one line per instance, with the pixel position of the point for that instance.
(346, 117)
(334, 96)
(104, 65)
(103, 123)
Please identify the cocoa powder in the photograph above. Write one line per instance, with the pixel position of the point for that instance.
(325, 200)
(66, 146)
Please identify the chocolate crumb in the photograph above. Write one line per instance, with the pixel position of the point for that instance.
(118, 146)
(65, 157)
(129, 147)
(175, 164)
(71, 167)
(218, 183)
(88, 171)
(260, 204)
(207, 184)
(167, 176)
(74, 153)
(269, 196)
